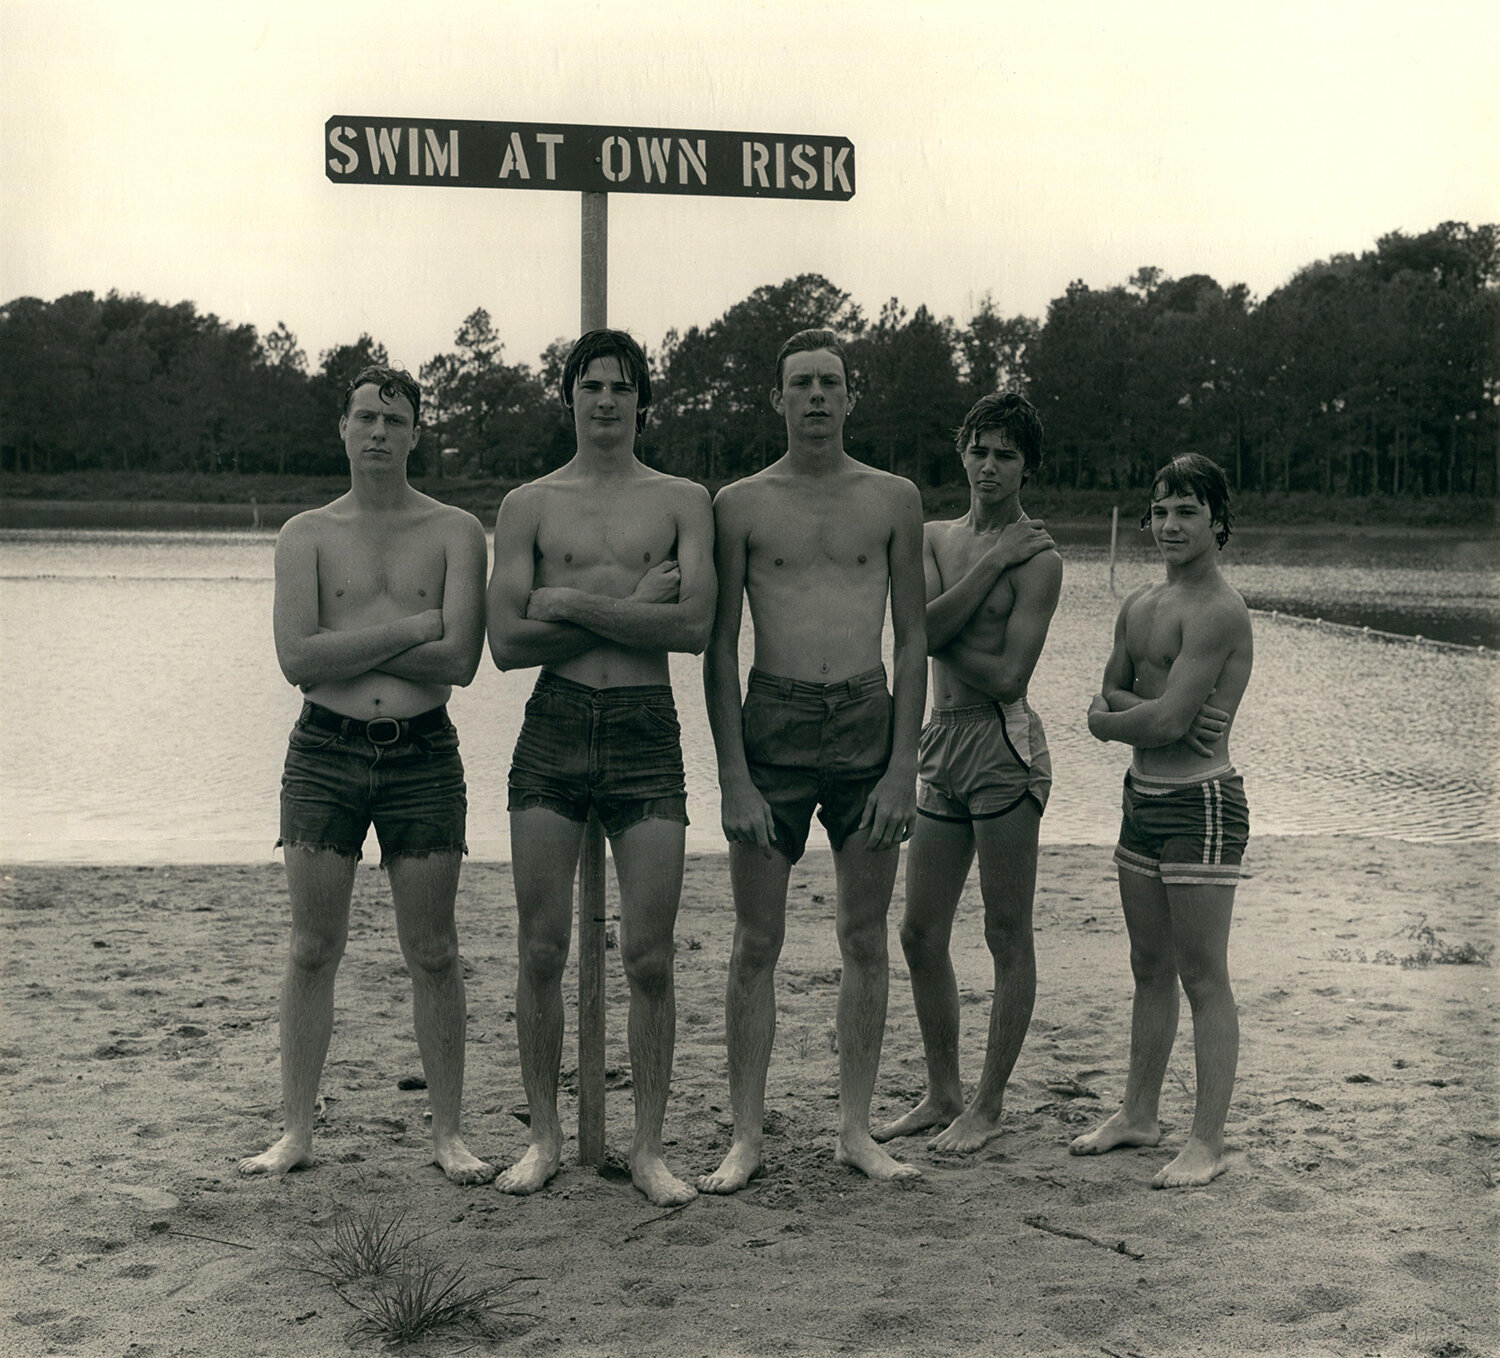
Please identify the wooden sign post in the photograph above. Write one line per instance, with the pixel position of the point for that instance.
(592, 915)
(593, 162)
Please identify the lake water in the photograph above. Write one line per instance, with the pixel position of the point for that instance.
(146, 719)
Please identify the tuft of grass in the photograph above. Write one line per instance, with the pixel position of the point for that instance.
(371, 1245)
(1431, 950)
(428, 1298)
(1435, 951)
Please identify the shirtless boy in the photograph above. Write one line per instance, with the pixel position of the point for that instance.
(379, 612)
(819, 542)
(1179, 645)
(992, 585)
(601, 568)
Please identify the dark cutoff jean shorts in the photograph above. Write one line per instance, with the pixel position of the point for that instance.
(816, 745)
(404, 775)
(618, 750)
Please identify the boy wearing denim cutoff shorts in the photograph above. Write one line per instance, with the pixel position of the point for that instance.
(818, 543)
(379, 613)
(602, 567)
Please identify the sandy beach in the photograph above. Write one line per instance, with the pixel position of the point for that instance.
(1358, 1215)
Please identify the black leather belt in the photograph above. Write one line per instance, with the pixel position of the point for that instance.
(378, 730)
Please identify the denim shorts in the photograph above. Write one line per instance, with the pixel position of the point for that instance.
(405, 776)
(816, 745)
(617, 750)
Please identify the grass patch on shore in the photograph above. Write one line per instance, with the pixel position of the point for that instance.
(1429, 950)
(399, 1291)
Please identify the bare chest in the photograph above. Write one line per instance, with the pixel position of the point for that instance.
(790, 539)
(1153, 635)
(358, 569)
(578, 534)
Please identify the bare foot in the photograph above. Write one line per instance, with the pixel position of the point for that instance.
(455, 1160)
(928, 1113)
(531, 1171)
(1115, 1131)
(863, 1154)
(736, 1170)
(662, 1188)
(967, 1132)
(288, 1153)
(1194, 1167)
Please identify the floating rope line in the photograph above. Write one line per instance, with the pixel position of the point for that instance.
(1375, 633)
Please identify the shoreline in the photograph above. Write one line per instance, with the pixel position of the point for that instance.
(22, 513)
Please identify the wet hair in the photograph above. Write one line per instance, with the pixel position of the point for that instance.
(804, 342)
(1203, 479)
(1011, 415)
(391, 382)
(615, 344)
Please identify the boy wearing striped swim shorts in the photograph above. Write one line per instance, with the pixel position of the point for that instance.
(1180, 665)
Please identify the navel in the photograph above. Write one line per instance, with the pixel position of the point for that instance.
(421, 594)
(338, 594)
(825, 667)
(647, 558)
(863, 558)
(778, 561)
(567, 556)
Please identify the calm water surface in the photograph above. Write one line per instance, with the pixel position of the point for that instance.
(146, 718)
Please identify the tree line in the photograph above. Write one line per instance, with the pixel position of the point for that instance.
(1362, 375)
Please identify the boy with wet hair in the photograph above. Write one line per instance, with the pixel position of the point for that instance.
(1180, 665)
(1200, 478)
(602, 568)
(389, 384)
(620, 346)
(1008, 414)
(993, 580)
(379, 613)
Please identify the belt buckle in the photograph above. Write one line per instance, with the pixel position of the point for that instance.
(383, 723)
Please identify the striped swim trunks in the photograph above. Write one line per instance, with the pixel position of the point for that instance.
(1184, 831)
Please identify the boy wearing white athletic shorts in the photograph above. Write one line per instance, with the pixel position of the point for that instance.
(983, 770)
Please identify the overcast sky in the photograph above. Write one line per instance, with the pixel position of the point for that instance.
(177, 151)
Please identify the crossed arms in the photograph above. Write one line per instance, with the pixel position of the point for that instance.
(1182, 710)
(670, 609)
(435, 646)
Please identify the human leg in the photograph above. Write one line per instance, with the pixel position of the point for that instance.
(937, 865)
(1153, 1018)
(759, 881)
(648, 862)
(423, 888)
(865, 880)
(1007, 847)
(320, 882)
(1200, 933)
(544, 858)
